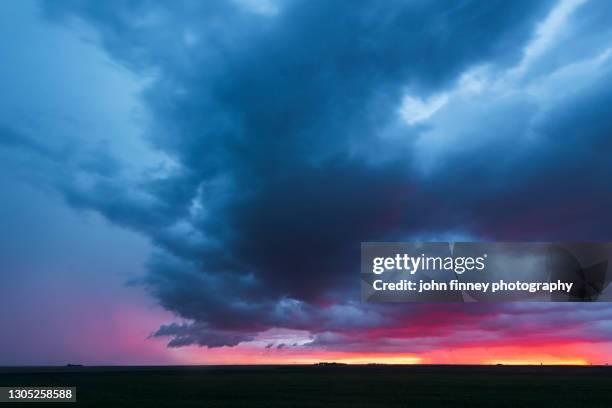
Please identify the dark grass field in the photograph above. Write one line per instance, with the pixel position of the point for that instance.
(320, 386)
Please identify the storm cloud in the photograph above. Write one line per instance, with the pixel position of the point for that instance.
(292, 131)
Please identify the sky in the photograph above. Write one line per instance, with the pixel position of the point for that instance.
(189, 182)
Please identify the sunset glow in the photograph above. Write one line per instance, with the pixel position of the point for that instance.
(559, 354)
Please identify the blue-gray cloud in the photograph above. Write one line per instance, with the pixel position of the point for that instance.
(297, 134)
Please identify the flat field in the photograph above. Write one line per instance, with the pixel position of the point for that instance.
(324, 386)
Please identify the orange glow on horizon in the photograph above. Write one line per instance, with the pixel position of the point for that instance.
(553, 354)
(382, 360)
(364, 359)
(542, 361)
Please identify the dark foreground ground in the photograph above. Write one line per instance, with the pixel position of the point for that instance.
(316, 386)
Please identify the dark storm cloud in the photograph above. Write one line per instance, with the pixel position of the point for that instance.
(274, 122)
(555, 187)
